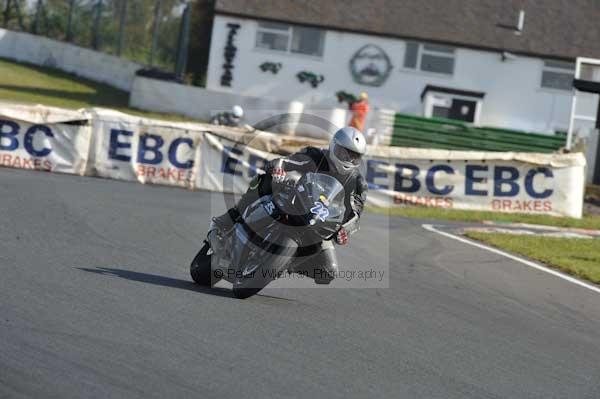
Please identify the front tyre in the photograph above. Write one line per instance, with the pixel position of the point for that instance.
(243, 293)
(250, 285)
(200, 269)
(257, 264)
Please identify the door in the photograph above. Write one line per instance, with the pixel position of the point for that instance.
(463, 110)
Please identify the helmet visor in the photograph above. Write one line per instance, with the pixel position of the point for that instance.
(346, 155)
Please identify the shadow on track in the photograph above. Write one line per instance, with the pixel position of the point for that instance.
(158, 280)
(166, 281)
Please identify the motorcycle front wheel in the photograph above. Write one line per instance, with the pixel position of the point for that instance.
(262, 267)
(200, 269)
(250, 285)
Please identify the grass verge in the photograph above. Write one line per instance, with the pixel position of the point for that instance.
(576, 256)
(587, 222)
(25, 83)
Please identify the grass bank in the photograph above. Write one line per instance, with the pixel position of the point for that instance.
(578, 257)
(587, 222)
(24, 83)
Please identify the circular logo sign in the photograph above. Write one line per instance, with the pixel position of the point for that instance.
(370, 65)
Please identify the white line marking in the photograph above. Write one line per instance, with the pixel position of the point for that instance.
(529, 263)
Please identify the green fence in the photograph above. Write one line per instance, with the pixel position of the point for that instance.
(413, 131)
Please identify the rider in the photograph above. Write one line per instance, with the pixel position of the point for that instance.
(236, 115)
(341, 160)
(229, 118)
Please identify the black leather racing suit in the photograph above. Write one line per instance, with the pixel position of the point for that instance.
(318, 261)
(225, 119)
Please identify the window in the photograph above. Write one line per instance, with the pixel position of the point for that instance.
(307, 41)
(273, 36)
(429, 58)
(558, 75)
(411, 55)
(287, 38)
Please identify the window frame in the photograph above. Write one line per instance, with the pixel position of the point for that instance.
(262, 29)
(290, 32)
(297, 29)
(434, 50)
(566, 68)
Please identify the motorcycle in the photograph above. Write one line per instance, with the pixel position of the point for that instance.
(225, 119)
(265, 242)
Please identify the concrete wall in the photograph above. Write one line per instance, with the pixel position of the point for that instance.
(514, 97)
(93, 65)
(161, 96)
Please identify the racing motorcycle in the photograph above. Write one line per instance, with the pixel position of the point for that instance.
(264, 243)
(225, 119)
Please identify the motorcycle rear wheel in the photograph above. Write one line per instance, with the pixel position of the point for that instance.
(200, 269)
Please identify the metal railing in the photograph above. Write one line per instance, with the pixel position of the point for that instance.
(415, 131)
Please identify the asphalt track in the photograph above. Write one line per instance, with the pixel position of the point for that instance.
(96, 302)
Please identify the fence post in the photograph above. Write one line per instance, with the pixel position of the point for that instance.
(183, 42)
(69, 36)
(157, 7)
(122, 22)
(96, 28)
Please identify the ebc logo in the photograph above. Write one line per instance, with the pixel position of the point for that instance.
(234, 161)
(507, 180)
(150, 149)
(9, 140)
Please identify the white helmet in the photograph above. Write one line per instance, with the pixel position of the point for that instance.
(346, 149)
(237, 111)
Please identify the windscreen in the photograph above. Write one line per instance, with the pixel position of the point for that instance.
(325, 196)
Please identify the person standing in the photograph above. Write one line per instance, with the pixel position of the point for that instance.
(359, 110)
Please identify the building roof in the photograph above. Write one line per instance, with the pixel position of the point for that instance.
(450, 90)
(563, 29)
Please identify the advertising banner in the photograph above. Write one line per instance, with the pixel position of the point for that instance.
(550, 184)
(99, 142)
(229, 166)
(138, 149)
(37, 138)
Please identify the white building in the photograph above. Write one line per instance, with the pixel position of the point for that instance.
(485, 61)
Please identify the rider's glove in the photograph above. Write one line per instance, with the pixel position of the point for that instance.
(278, 175)
(341, 237)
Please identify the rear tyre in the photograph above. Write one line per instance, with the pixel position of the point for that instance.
(200, 269)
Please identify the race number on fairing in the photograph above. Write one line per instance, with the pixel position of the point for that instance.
(321, 211)
(269, 207)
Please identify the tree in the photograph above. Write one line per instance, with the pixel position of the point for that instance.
(203, 13)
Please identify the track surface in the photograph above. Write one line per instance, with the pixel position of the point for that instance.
(96, 301)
